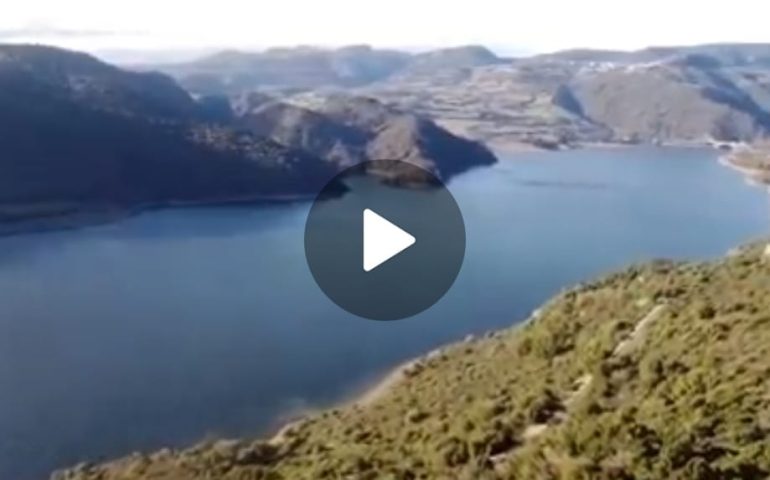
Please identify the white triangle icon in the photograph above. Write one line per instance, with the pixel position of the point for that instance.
(382, 240)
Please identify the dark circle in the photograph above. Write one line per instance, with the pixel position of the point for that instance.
(406, 284)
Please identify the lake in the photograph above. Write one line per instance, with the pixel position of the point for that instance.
(177, 325)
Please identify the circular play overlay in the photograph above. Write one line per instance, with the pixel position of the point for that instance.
(389, 247)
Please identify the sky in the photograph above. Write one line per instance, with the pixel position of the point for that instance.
(508, 27)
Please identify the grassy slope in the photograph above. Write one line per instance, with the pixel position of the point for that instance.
(659, 372)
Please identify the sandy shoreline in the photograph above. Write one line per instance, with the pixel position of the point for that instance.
(754, 176)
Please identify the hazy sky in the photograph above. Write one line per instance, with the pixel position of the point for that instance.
(508, 26)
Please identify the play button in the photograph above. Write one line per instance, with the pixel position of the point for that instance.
(385, 252)
(382, 240)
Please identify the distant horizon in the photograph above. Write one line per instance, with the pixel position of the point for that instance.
(140, 55)
(508, 28)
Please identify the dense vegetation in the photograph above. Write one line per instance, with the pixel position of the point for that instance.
(658, 372)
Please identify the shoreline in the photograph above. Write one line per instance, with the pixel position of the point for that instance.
(361, 398)
(523, 147)
(106, 214)
(754, 176)
(380, 384)
(385, 382)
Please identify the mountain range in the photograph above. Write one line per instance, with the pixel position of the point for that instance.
(81, 136)
(690, 95)
(701, 94)
(309, 67)
(727, 54)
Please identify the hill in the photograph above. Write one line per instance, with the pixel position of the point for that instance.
(366, 129)
(728, 54)
(77, 134)
(503, 105)
(301, 67)
(677, 95)
(659, 371)
(234, 72)
(688, 99)
(454, 58)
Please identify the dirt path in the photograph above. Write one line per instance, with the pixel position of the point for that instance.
(632, 341)
(583, 384)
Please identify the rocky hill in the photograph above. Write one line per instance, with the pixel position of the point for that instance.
(659, 371)
(688, 99)
(338, 143)
(365, 129)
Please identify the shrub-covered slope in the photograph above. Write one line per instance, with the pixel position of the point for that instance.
(661, 371)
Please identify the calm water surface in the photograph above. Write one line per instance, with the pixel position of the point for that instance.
(181, 324)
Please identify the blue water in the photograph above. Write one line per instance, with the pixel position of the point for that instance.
(176, 325)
